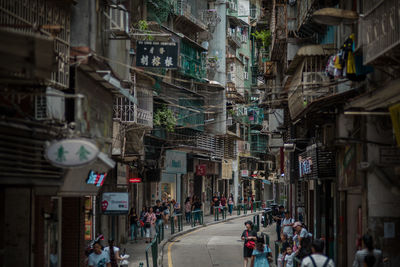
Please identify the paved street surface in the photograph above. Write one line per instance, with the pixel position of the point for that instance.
(215, 245)
(136, 250)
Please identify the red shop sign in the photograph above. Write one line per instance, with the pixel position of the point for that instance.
(135, 180)
(201, 169)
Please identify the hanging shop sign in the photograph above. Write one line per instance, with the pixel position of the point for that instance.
(201, 169)
(175, 162)
(96, 179)
(70, 153)
(135, 180)
(226, 169)
(157, 54)
(244, 173)
(115, 203)
(305, 166)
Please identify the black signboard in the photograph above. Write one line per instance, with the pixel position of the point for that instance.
(157, 54)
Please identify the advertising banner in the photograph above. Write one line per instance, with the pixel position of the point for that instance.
(115, 203)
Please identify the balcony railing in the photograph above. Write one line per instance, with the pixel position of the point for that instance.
(305, 8)
(127, 112)
(235, 38)
(53, 21)
(145, 117)
(184, 9)
(380, 34)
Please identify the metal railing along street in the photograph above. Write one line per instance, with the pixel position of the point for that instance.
(218, 211)
(196, 216)
(153, 247)
(179, 223)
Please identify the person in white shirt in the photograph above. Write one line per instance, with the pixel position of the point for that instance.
(287, 224)
(317, 259)
(289, 257)
(99, 258)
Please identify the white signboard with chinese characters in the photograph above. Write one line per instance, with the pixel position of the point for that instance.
(157, 54)
(68, 153)
(115, 203)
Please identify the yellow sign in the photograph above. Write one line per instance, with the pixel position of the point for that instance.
(395, 115)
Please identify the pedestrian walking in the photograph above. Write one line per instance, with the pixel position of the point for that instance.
(250, 237)
(158, 210)
(196, 207)
(287, 224)
(289, 257)
(304, 239)
(150, 222)
(374, 255)
(99, 258)
(142, 221)
(262, 255)
(134, 223)
(283, 245)
(166, 213)
(188, 209)
(278, 219)
(113, 253)
(317, 259)
(231, 203)
(177, 211)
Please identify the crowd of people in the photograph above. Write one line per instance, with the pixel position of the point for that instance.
(296, 244)
(149, 218)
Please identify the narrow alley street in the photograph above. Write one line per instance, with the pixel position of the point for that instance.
(217, 245)
(125, 117)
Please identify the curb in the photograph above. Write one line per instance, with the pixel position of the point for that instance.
(171, 238)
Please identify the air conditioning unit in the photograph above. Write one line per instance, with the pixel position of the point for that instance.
(246, 75)
(229, 121)
(230, 77)
(50, 106)
(119, 20)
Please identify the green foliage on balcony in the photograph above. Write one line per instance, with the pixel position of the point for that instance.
(192, 61)
(159, 10)
(193, 116)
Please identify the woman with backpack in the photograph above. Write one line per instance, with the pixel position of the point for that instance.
(250, 237)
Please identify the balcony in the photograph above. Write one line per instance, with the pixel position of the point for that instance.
(192, 61)
(28, 51)
(256, 117)
(232, 7)
(129, 113)
(279, 31)
(381, 38)
(258, 143)
(185, 16)
(234, 38)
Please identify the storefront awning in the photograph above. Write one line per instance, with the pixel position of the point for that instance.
(334, 16)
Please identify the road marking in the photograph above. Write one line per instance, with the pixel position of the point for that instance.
(176, 240)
